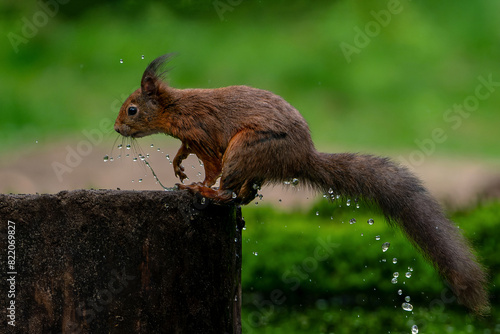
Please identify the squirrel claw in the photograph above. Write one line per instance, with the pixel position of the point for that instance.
(181, 175)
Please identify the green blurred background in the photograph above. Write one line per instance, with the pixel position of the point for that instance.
(369, 76)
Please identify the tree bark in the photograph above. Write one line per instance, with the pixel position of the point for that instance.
(104, 261)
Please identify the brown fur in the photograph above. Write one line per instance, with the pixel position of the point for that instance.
(250, 137)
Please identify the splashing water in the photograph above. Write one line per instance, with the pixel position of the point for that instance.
(407, 307)
(385, 246)
(155, 176)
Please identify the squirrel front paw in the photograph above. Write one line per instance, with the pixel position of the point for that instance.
(179, 172)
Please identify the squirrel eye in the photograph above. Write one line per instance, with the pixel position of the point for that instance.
(132, 111)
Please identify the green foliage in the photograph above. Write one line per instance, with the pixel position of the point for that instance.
(299, 266)
(67, 77)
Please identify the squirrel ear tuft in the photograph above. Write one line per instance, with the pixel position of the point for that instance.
(154, 74)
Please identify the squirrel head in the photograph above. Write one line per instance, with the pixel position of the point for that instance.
(142, 113)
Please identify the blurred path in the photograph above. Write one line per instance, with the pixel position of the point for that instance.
(455, 182)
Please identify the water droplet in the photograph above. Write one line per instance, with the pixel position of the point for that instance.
(235, 239)
(348, 202)
(407, 306)
(330, 191)
(128, 146)
(233, 195)
(385, 246)
(410, 269)
(408, 274)
(377, 237)
(400, 292)
(111, 159)
(352, 221)
(135, 159)
(121, 61)
(255, 253)
(255, 186)
(203, 200)
(395, 260)
(370, 221)
(317, 213)
(394, 280)
(152, 145)
(158, 149)
(120, 146)
(295, 181)
(395, 275)
(36, 141)
(140, 180)
(414, 329)
(407, 299)
(357, 205)
(142, 57)
(106, 158)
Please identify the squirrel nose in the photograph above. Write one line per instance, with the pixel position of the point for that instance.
(117, 128)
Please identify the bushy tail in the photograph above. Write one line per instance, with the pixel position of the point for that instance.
(405, 202)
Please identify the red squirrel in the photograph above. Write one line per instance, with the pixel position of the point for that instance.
(251, 137)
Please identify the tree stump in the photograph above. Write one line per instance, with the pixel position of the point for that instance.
(110, 261)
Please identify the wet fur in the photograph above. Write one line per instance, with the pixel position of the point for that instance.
(250, 137)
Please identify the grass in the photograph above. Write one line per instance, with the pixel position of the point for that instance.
(395, 91)
(287, 288)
